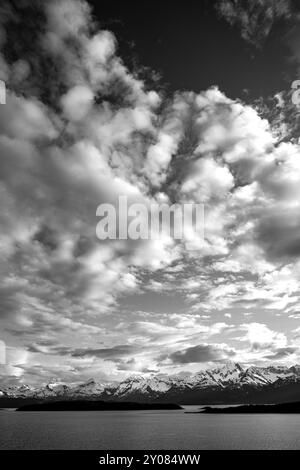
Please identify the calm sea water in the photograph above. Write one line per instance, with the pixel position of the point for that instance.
(107, 430)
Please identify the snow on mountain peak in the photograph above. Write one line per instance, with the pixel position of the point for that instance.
(228, 376)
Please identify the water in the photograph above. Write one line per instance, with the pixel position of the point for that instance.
(107, 430)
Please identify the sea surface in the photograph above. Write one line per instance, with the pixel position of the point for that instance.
(174, 430)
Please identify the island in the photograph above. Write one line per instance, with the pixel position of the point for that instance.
(292, 408)
(89, 405)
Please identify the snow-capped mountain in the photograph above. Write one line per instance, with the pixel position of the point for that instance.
(230, 383)
(90, 388)
(232, 377)
(24, 391)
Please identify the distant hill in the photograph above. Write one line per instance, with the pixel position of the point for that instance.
(87, 405)
(280, 408)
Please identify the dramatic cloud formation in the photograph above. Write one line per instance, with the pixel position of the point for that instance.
(79, 129)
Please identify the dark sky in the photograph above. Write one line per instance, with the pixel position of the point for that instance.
(192, 48)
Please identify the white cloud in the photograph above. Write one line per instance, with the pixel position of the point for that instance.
(101, 134)
(261, 337)
(77, 102)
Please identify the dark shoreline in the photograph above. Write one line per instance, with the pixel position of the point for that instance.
(88, 405)
(291, 408)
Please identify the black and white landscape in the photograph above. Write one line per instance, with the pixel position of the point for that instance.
(110, 111)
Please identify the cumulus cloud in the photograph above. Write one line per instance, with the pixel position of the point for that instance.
(261, 337)
(80, 129)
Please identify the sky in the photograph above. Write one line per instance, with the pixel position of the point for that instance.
(186, 102)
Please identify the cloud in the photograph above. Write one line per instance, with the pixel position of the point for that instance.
(261, 337)
(202, 353)
(77, 102)
(282, 353)
(254, 18)
(66, 150)
(106, 353)
(80, 129)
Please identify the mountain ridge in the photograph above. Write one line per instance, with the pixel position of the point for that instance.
(231, 383)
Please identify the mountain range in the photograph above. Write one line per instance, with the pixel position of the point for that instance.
(231, 383)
